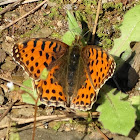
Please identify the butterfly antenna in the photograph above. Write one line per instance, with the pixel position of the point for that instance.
(85, 33)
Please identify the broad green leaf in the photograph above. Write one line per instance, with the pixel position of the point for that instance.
(73, 25)
(74, 29)
(25, 96)
(68, 38)
(135, 101)
(44, 74)
(130, 31)
(116, 115)
(14, 135)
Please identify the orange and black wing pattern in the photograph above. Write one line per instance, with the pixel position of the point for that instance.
(36, 54)
(99, 66)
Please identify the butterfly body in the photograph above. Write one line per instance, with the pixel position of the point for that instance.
(75, 73)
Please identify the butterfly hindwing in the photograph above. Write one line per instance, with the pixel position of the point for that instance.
(51, 91)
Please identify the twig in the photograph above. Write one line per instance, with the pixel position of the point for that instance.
(18, 84)
(34, 126)
(102, 134)
(30, 12)
(53, 117)
(11, 1)
(50, 118)
(10, 7)
(86, 114)
(96, 21)
(15, 107)
(6, 112)
(47, 118)
(1, 77)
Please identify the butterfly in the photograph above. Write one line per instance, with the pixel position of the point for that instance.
(75, 74)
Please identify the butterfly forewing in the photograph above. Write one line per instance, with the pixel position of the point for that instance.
(36, 54)
(100, 65)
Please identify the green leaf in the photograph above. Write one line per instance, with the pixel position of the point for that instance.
(25, 96)
(135, 101)
(116, 115)
(68, 38)
(74, 29)
(130, 30)
(14, 135)
(44, 74)
(73, 25)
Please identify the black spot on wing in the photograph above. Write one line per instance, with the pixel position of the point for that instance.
(53, 91)
(89, 87)
(60, 93)
(91, 71)
(32, 58)
(107, 57)
(36, 64)
(27, 62)
(50, 44)
(35, 75)
(40, 53)
(47, 91)
(54, 49)
(45, 64)
(92, 51)
(91, 95)
(82, 103)
(101, 69)
(32, 50)
(96, 53)
(102, 54)
(51, 80)
(25, 44)
(47, 55)
(53, 98)
(53, 59)
(99, 79)
(38, 71)
(45, 82)
(102, 61)
(31, 68)
(97, 62)
(60, 99)
(43, 46)
(92, 62)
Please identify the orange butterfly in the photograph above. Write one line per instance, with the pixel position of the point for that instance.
(75, 73)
